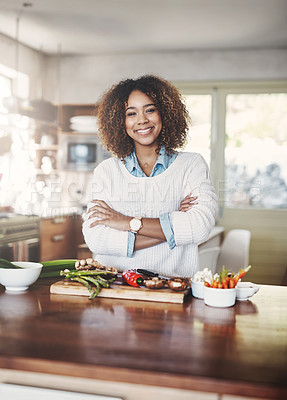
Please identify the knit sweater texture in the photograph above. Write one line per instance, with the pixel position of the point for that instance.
(150, 197)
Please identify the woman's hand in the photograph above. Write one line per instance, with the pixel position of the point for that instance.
(187, 203)
(108, 216)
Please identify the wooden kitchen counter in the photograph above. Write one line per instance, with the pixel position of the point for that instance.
(234, 351)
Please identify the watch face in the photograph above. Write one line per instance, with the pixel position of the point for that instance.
(135, 224)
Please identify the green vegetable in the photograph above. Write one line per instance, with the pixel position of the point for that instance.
(93, 293)
(93, 280)
(58, 263)
(52, 269)
(85, 282)
(93, 272)
(8, 264)
(103, 281)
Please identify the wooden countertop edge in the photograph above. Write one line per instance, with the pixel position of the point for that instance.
(150, 378)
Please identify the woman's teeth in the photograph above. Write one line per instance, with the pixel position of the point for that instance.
(144, 130)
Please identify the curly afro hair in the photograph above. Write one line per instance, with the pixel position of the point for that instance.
(167, 99)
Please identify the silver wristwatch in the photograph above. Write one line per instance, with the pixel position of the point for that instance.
(135, 224)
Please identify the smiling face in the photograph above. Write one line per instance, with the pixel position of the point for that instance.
(142, 120)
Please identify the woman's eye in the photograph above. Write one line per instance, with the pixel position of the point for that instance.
(151, 110)
(131, 114)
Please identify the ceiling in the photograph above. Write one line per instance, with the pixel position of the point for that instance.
(109, 26)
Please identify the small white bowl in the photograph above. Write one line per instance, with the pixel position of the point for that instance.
(17, 280)
(244, 290)
(197, 289)
(219, 297)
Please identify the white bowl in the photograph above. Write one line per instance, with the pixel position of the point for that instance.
(84, 119)
(197, 289)
(219, 297)
(17, 280)
(244, 290)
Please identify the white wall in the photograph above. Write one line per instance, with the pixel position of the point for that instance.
(83, 79)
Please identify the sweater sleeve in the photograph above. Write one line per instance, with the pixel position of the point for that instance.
(194, 225)
(102, 239)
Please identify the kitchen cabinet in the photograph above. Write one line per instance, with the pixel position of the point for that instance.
(44, 117)
(46, 147)
(83, 252)
(79, 142)
(47, 136)
(60, 236)
(67, 111)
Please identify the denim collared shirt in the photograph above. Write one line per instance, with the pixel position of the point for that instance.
(162, 163)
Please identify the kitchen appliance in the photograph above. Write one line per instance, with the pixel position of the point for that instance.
(19, 237)
(80, 152)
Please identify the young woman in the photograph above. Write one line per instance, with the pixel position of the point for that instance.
(151, 205)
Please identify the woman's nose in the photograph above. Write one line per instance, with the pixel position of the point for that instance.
(142, 118)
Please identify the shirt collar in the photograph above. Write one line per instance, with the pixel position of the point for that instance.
(163, 158)
(131, 161)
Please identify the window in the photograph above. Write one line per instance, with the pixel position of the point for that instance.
(256, 150)
(5, 91)
(199, 136)
(241, 131)
(15, 154)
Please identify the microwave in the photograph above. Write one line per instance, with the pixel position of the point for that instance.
(80, 152)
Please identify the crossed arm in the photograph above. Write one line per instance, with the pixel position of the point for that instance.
(151, 232)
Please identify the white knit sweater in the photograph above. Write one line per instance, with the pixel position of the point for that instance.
(150, 197)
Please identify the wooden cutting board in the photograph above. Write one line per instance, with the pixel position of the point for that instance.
(120, 292)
